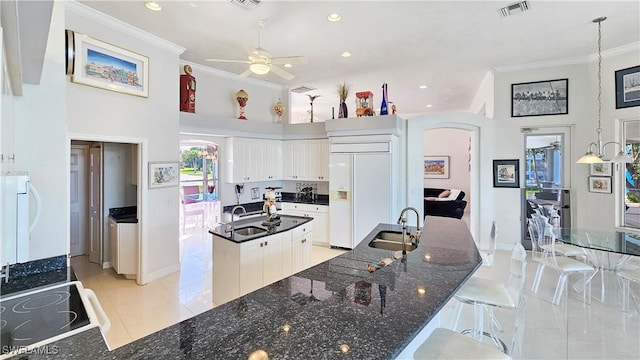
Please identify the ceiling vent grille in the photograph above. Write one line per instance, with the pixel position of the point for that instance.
(246, 4)
(515, 8)
(302, 89)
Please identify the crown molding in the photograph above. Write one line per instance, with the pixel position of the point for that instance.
(632, 47)
(104, 19)
(232, 76)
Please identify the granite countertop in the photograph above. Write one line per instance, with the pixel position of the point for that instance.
(36, 274)
(287, 222)
(336, 302)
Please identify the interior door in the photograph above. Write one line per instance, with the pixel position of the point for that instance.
(95, 205)
(78, 201)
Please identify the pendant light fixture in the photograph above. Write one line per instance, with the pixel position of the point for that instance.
(590, 157)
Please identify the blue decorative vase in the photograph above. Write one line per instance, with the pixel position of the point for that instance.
(383, 106)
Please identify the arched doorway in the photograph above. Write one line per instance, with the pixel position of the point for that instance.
(199, 197)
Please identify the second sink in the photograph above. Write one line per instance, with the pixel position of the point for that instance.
(249, 230)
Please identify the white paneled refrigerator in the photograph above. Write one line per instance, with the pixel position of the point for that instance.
(17, 223)
(360, 191)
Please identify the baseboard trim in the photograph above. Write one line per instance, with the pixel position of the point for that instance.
(158, 274)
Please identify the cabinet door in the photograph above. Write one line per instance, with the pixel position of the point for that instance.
(272, 259)
(295, 159)
(255, 166)
(306, 250)
(318, 160)
(251, 266)
(237, 158)
(324, 159)
(287, 254)
(274, 158)
(320, 228)
(113, 244)
(297, 250)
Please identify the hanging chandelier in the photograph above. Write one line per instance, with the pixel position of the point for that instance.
(590, 157)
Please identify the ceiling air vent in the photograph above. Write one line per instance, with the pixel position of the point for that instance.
(302, 89)
(516, 7)
(246, 4)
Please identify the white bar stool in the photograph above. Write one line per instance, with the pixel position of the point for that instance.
(448, 344)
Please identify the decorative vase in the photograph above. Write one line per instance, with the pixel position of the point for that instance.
(343, 112)
(383, 106)
(279, 108)
(242, 97)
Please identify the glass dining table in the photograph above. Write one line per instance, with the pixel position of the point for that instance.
(607, 251)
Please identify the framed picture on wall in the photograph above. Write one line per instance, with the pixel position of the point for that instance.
(599, 184)
(506, 173)
(436, 167)
(550, 97)
(163, 174)
(105, 66)
(628, 87)
(601, 169)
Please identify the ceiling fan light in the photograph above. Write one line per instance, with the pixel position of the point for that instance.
(334, 17)
(287, 65)
(259, 69)
(589, 158)
(153, 6)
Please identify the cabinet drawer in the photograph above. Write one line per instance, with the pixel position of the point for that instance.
(309, 208)
(301, 230)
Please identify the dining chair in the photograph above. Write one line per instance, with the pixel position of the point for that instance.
(543, 251)
(191, 205)
(485, 294)
(629, 272)
(544, 228)
(448, 344)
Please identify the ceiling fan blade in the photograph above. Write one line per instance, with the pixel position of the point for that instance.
(289, 60)
(283, 74)
(246, 73)
(230, 61)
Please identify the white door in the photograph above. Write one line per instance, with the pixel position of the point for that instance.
(371, 193)
(95, 205)
(78, 201)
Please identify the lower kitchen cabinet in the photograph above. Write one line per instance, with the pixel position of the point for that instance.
(260, 263)
(320, 215)
(123, 248)
(301, 246)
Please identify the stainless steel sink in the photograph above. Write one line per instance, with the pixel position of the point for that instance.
(249, 230)
(390, 240)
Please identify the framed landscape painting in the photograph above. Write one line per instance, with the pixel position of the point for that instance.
(436, 167)
(506, 173)
(105, 66)
(550, 97)
(162, 174)
(628, 87)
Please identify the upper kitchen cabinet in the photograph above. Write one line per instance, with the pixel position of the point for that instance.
(318, 162)
(296, 159)
(253, 160)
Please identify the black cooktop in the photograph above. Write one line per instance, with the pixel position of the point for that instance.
(32, 317)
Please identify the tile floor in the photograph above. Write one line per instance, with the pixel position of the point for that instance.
(569, 331)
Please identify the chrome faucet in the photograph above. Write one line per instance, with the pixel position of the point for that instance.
(415, 236)
(231, 227)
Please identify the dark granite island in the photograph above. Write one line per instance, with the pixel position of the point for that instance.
(315, 313)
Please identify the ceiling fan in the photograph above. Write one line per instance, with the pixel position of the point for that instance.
(261, 62)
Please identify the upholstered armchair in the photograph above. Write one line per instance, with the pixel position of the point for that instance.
(444, 202)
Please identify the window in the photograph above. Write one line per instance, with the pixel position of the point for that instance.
(631, 188)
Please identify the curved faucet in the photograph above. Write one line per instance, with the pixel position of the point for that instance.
(231, 227)
(403, 220)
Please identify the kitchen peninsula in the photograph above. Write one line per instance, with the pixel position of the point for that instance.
(336, 309)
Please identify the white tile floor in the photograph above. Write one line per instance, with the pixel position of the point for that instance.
(569, 331)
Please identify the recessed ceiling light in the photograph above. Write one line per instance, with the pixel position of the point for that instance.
(152, 5)
(334, 17)
(423, 86)
(287, 65)
(346, 54)
(429, 105)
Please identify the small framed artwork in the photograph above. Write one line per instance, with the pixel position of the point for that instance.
(601, 169)
(628, 87)
(163, 174)
(436, 167)
(550, 97)
(506, 173)
(600, 184)
(105, 66)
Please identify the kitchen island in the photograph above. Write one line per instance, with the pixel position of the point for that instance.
(336, 309)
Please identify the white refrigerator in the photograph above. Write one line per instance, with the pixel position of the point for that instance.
(17, 222)
(360, 194)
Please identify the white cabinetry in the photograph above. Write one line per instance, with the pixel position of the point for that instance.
(252, 160)
(123, 248)
(295, 159)
(320, 215)
(318, 160)
(301, 247)
(260, 262)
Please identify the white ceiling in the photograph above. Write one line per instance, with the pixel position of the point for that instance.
(447, 45)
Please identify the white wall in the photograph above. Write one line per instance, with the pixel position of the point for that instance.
(41, 146)
(215, 95)
(454, 143)
(153, 121)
